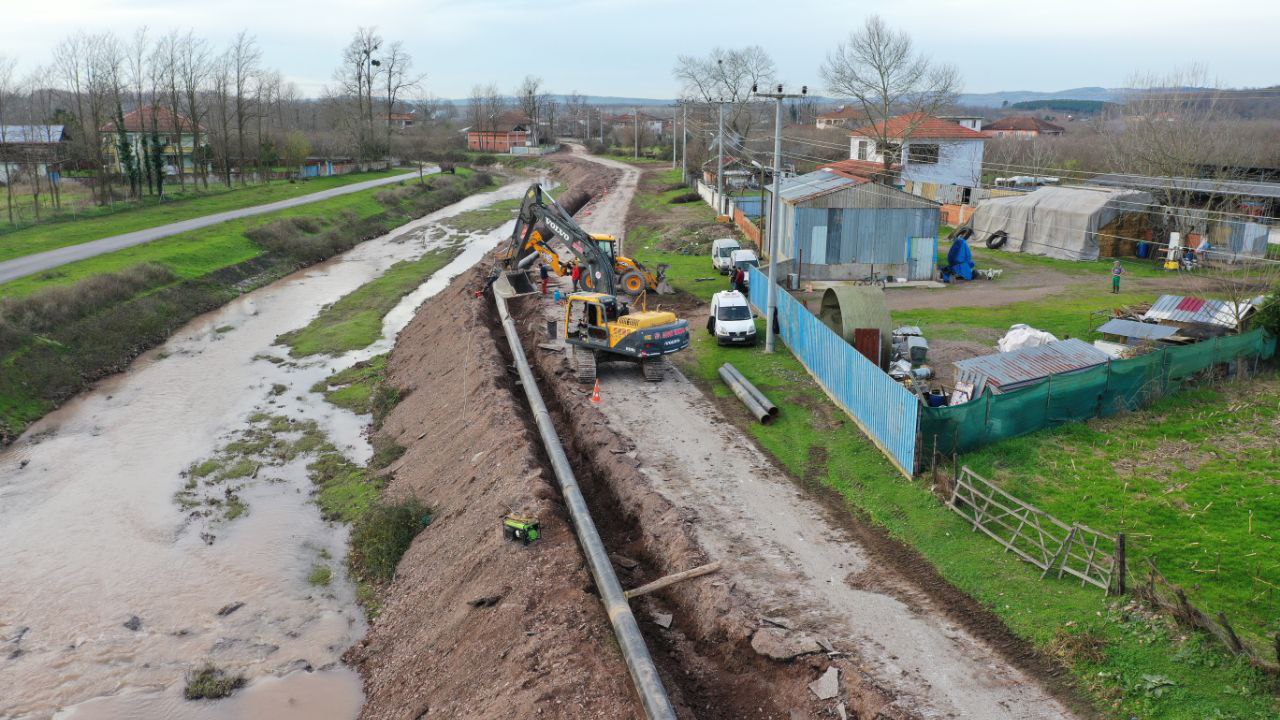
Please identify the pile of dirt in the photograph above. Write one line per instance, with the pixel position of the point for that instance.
(475, 626)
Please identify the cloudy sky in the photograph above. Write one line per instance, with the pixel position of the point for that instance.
(627, 47)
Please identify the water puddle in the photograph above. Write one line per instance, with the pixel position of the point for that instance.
(110, 594)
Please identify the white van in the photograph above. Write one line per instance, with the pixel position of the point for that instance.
(741, 259)
(731, 320)
(720, 251)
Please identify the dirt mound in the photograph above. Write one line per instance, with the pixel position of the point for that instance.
(540, 639)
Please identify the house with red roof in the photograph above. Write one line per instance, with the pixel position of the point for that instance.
(176, 134)
(842, 117)
(1024, 126)
(930, 151)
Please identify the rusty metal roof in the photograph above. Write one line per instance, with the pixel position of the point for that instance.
(1135, 329)
(1198, 311)
(1008, 371)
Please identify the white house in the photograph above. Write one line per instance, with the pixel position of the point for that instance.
(940, 159)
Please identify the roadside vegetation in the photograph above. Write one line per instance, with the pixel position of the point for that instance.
(61, 330)
(1128, 661)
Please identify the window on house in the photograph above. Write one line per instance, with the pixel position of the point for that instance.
(862, 149)
(922, 154)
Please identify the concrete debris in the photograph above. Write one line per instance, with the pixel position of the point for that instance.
(229, 608)
(782, 646)
(662, 620)
(134, 623)
(776, 622)
(826, 645)
(827, 686)
(844, 715)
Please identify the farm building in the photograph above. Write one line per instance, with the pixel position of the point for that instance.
(501, 134)
(1070, 223)
(839, 226)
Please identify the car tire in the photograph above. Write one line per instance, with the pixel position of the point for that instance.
(997, 239)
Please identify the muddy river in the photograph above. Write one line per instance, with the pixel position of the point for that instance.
(110, 592)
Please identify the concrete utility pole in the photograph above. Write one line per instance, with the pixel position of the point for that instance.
(775, 231)
(635, 114)
(673, 139)
(720, 160)
(684, 144)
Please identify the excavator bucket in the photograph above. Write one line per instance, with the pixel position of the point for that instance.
(511, 284)
(663, 287)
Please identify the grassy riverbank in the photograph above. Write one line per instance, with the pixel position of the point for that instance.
(61, 331)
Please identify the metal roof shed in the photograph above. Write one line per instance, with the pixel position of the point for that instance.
(1180, 311)
(1005, 372)
(1134, 330)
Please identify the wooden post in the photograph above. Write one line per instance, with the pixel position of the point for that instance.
(933, 459)
(1120, 568)
(1278, 647)
(1237, 647)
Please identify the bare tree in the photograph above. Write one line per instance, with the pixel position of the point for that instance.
(397, 73)
(531, 101)
(220, 78)
(356, 77)
(193, 73)
(728, 76)
(7, 100)
(243, 57)
(880, 68)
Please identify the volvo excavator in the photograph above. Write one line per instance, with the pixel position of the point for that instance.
(597, 323)
(629, 274)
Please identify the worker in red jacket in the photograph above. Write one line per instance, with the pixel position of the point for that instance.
(576, 274)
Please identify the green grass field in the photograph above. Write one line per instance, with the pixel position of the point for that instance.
(1128, 664)
(67, 231)
(355, 320)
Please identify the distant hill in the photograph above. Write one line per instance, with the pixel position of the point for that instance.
(1080, 107)
(998, 99)
(589, 99)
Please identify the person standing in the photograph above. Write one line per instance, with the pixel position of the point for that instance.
(576, 274)
(545, 274)
(1116, 272)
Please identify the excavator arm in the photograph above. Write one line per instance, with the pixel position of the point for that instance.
(540, 219)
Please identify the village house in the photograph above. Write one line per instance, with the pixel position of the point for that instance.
(940, 160)
(30, 149)
(402, 120)
(1024, 126)
(501, 133)
(650, 126)
(842, 117)
(146, 121)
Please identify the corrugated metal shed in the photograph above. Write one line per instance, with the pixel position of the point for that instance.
(31, 134)
(1198, 311)
(1003, 372)
(1135, 329)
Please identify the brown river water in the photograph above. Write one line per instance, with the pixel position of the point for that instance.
(91, 537)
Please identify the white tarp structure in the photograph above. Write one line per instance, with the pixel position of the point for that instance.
(1024, 336)
(1060, 222)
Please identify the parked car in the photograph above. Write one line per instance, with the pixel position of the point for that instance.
(742, 259)
(720, 251)
(731, 320)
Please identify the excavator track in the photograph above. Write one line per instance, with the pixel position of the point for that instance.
(584, 365)
(654, 368)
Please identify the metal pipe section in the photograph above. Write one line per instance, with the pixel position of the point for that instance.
(644, 674)
(755, 392)
(740, 386)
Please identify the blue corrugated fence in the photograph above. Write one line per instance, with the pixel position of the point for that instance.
(887, 412)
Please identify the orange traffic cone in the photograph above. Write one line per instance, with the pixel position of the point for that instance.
(595, 392)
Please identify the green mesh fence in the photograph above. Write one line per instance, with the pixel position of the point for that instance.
(1097, 392)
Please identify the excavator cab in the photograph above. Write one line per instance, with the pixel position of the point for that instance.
(598, 325)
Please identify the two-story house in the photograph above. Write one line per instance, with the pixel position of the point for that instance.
(940, 160)
(145, 121)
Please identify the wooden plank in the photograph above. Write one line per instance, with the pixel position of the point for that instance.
(673, 579)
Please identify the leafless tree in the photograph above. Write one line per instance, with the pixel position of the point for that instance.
(220, 85)
(356, 77)
(880, 68)
(398, 78)
(166, 58)
(728, 76)
(244, 57)
(8, 96)
(532, 101)
(192, 71)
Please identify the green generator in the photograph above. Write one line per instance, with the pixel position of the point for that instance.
(521, 528)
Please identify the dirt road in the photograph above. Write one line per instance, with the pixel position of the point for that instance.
(785, 554)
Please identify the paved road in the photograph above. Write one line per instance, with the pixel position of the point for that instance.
(39, 262)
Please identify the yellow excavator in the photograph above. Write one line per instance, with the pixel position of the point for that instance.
(597, 324)
(629, 274)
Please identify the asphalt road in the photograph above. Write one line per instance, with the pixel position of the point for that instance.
(39, 262)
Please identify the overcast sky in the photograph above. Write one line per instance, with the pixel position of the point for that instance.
(627, 47)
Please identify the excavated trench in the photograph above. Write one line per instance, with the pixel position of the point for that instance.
(705, 655)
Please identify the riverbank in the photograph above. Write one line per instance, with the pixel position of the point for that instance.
(60, 334)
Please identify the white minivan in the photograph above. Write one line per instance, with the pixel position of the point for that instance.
(720, 252)
(731, 320)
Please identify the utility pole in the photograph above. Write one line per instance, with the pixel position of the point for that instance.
(775, 231)
(720, 160)
(684, 144)
(635, 114)
(673, 138)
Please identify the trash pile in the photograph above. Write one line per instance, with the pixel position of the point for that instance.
(910, 353)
